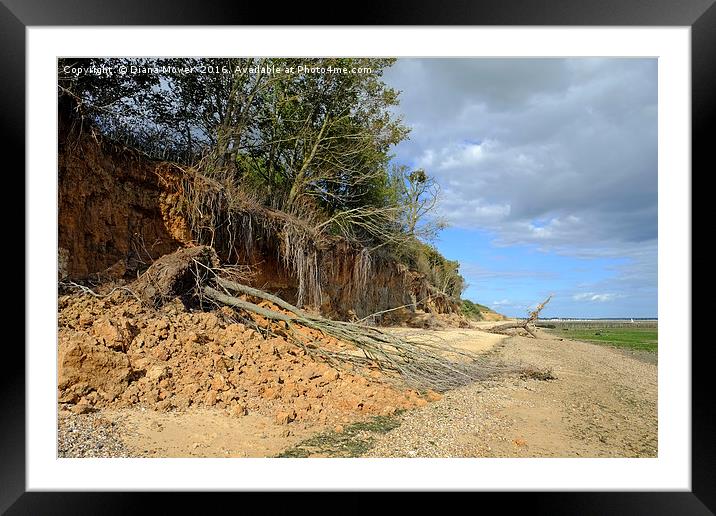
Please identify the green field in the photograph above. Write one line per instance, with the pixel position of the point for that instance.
(640, 338)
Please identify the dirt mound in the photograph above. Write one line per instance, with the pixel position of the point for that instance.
(117, 352)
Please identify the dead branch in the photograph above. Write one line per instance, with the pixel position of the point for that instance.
(390, 310)
(526, 325)
(86, 290)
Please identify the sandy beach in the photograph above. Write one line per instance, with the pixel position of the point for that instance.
(601, 403)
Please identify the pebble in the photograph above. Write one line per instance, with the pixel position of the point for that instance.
(89, 435)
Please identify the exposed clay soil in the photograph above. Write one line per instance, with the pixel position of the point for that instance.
(116, 353)
(141, 382)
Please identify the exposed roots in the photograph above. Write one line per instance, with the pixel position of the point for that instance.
(221, 215)
(300, 255)
(176, 275)
(362, 268)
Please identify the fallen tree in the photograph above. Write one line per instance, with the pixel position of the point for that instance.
(194, 275)
(424, 364)
(527, 325)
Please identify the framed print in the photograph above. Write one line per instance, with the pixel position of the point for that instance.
(430, 250)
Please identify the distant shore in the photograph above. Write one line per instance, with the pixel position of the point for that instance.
(606, 319)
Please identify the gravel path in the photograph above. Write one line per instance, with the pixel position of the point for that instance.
(89, 435)
(602, 404)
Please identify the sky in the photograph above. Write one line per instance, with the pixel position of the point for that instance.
(548, 176)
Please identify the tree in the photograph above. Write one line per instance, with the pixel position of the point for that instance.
(305, 143)
(213, 105)
(91, 89)
(326, 136)
(417, 194)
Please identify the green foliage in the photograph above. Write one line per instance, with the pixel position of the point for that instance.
(96, 84)
(471, 310)
(314, 145)
(442, 273)
(417, 194)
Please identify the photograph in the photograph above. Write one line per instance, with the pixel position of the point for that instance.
(357, 257)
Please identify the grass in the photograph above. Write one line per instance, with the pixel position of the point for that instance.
(354, 441)
(642, 339)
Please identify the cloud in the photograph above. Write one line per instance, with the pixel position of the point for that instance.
(591, 296)
(555, 154)
(475, 271)
(513, 141)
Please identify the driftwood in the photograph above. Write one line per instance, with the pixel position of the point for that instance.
(528, 324)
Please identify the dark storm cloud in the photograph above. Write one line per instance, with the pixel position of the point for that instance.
(555, 152)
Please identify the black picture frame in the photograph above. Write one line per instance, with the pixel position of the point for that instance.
(700, 15)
